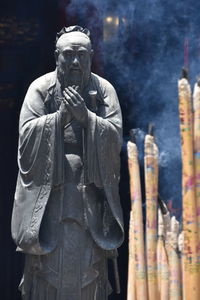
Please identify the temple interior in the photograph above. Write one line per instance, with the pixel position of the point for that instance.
(140, 47)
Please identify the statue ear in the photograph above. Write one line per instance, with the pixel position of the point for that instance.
(91, 53)
(56, 53)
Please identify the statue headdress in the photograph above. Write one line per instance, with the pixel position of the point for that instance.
(69, 29)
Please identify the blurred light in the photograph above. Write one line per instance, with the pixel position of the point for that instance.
(110, 28)
(117, 21)
(109, 19)
(124, 20)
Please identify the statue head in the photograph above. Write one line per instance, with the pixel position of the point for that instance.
(73, 56)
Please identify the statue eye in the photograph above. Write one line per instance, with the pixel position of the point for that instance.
(82, 53)
(68, 53)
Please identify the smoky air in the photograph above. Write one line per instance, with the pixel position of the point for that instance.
(145, 44)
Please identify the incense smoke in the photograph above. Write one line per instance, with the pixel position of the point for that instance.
(143, 53)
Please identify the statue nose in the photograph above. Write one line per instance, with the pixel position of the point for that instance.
(75, 62)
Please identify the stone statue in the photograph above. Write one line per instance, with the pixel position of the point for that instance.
(67, 217)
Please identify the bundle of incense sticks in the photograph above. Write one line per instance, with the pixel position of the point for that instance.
(165, 272)
(142, 271)
(152, 275)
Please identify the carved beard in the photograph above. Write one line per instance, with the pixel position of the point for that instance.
(70, 77)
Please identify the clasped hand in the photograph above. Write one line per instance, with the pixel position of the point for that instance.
(73, 105)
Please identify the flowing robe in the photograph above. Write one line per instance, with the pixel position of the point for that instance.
(41, 189)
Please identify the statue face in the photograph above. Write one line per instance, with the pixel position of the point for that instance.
(73, 59)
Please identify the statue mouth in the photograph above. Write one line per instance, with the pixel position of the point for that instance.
(76, 72)
(75, 69)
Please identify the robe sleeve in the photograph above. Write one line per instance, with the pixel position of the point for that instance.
(40, 167)
(104, 138)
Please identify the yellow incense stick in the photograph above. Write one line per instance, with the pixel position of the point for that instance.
(180, 249)
(196, 103)
(174, 262)
(189, 219)
(151, 216)
(162, 261)
(131, 289)
(136, 199)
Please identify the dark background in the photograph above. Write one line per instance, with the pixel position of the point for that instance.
(140, 47)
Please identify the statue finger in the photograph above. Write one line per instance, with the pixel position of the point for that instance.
(76, 94)
(66, 96)
(76, 88)
(71, 95)
(68, 99)
(66, 105)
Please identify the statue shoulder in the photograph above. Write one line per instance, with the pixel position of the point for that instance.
(102, 83)
(106, 92)
(38, 90)
(43, 83)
